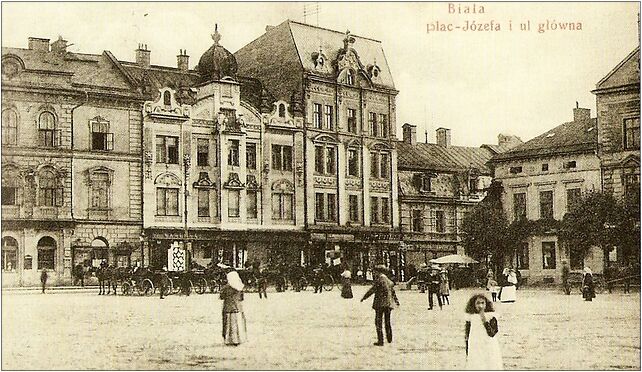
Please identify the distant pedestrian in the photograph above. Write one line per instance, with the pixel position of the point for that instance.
(566, 273)
(502, 281)
(318, 279)
(165, 284)
(234, 325)
(493, 288)
(588, 287)
(385, 299)
(43, 279)
(509, 291)
(434, 285)
(346, 285)
(261, 282)
(444, 287)
(518, 277)
(79, 275)
(482, 347)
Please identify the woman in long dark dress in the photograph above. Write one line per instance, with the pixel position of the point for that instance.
(346, 285)
(588, 287)
(234, 327)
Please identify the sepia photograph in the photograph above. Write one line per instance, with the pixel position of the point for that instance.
(320, 186)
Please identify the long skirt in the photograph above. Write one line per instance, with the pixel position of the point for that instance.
(588, 292)
(234, 328)
(346, 288)
(508, 294)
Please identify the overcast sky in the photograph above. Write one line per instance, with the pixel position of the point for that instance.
(476, 83)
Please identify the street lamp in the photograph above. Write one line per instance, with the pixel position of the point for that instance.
(186, 166)
(142, 248)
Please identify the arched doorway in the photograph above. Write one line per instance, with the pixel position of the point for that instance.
(9, 254)
(99, 251)
(46, 253)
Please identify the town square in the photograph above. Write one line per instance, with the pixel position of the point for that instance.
(306, 186)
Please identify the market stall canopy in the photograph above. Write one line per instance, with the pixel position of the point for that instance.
(454, 259)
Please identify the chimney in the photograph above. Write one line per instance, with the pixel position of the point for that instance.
(182, 60)
(268, 28)
(36, 43)
(59, 46)
(409, 134)
(581, 113)
(443, 137)
(143, 56)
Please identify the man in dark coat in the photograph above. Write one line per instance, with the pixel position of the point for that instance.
(385, 299)
(434, 282)
(318, 279)
(43, 279)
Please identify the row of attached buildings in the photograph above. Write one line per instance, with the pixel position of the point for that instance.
(283, 152)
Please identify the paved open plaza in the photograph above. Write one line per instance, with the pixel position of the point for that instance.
(542, 330)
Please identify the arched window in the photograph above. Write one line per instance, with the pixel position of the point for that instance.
(9, 127)
(49, 191)
(167, 98)
(10, 183)
(9, 254)
(281, 110)
(349, 77)
(99, 251)
(46, 253)
(47, 130)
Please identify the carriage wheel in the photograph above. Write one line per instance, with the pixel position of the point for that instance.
(201, 285)
(328, 282)
(215, 287)
(191, 287)
(170, 288)
(147, 287)
(126, 288)
(176, 288)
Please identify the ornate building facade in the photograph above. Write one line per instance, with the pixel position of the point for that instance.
(340, 88)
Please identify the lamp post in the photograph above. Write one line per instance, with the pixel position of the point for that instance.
(142, 248)
(186, 166)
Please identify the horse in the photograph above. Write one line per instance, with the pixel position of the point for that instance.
(103, 274)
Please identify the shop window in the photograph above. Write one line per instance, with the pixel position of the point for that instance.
(46, 253)
(519, 205)
(282, 158)
(546, 204)
(48, 135)
(101, 138)
(548, 255)
(9, 254)
(49, 191)
(353, 201)
(353, 162)
(166, 201)
(250, 155)
(252, 204)
(631, 133)
(234, 203)
(202, 152)
(203, 203)
(233, 153)
(167, 149)
(9, 127)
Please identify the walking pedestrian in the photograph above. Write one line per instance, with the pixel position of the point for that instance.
(588, 287)
(164, 283)
(509, 292)
(234, 325)
(318, 279)
(434, 284)
(492, 287)
(385, 299)
(346, 285)
(43, 279)
(566, 273)
(261, 282)
(482, 347)
(444, 287)
(503, 282)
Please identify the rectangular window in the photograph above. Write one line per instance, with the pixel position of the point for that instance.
(230, 116)
(352, 120)
(426, 183)
(328, 122)
(233, 153)
(252, 202)
(233, 203)
(548, 255)
(440, 221)
(374, 165)
(545, 167)
(282, 157)
(385, 165)
(99, 190)
(519, 205)
(288, 207)
(546, 204)
(9, 195)
(372, 123)
(318, 160)
(385, 210)
(631, 184)
(202, 152)
(166, 202)
(353, 162)
(282, 206)
(250, 155)
(572, 198)
(417, 220)
(167, 149)
(383, 122)
(319, 203)
(331, 200)
(473, 184)
(353, 201)
(374, 210)
(522, 256)
(570, 164)
(632, 133)
(316, 116)
(203, 203)
(101, 139)
(515, 170)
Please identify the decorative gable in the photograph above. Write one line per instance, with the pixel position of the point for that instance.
(204, 181)
(167, 106)
(280, 116)
(233, 182)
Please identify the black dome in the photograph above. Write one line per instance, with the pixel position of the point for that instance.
(217, 61)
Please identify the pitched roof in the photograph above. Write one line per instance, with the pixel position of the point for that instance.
(624, 73)
(282, 54)
(433, 157)
(571, 137)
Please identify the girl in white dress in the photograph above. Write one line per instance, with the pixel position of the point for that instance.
(482, 347)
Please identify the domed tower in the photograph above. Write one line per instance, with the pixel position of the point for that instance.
(217, 62)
